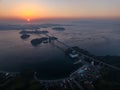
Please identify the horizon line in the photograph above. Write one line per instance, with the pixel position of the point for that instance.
(55, 18)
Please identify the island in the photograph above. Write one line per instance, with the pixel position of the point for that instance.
(38, 41)
(59, 28)
(25, 36)
(34, 32)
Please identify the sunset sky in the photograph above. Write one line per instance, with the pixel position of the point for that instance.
(34, 9)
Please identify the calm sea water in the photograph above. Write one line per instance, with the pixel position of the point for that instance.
(17, 55)
(98, 37)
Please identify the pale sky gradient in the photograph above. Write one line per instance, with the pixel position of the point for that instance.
(59, 8)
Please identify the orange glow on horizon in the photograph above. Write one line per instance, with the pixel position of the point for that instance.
(35, 10)
(28, 11)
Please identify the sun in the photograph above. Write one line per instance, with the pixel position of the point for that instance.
(28, 20)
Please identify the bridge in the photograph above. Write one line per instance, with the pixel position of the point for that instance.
(83, 55)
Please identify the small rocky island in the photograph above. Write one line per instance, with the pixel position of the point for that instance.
(25, 36)
(34, 32)
(38, 41)
(59, 28)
